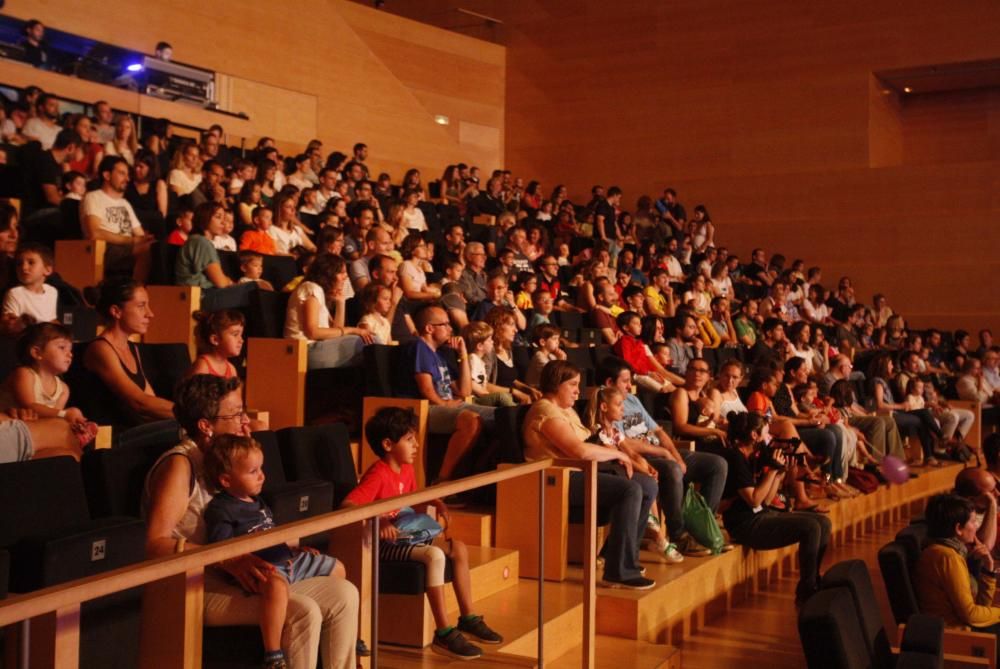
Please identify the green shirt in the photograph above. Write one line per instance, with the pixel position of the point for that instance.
(746, 328)
(196, 254)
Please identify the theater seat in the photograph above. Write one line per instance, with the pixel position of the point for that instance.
(924, 633)
(830, 633)
(52, 540)
(319, 452)
(114, 477)
(290, 501)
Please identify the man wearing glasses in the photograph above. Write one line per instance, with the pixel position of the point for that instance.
(424, 373)
(473, 280)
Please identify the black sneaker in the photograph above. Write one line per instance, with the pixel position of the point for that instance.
(637, 583)
(276, 663)
(478, 628)
(455, 645)
(361, 649)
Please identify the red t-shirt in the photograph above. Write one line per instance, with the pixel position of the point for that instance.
(633, 351)
(381, 482)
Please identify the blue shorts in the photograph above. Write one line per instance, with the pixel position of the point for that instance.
(306, 565)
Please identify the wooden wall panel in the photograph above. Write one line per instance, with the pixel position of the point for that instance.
(768, 113)
(303, 69)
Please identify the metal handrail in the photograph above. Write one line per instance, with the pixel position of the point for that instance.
(70, 595)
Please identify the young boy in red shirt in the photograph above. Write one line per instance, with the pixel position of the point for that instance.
(392, 435)
(648, 372)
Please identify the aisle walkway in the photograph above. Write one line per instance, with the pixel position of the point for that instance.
(762, 630)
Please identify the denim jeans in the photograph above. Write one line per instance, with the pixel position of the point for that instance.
(627, 501)
(706, 469)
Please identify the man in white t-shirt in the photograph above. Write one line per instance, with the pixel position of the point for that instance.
(106, 215)
(44, 126)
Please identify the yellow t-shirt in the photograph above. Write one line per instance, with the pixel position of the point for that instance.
(536, 444)
(656, 299)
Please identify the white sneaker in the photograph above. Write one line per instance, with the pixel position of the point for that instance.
(672, 555)
(652, 523)
(669, 551)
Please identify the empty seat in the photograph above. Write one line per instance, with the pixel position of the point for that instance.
(114, 477)
(923, 633)
(319, 452)
(290, 501)
(52, 540)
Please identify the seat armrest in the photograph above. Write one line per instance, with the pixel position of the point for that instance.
(923, 634)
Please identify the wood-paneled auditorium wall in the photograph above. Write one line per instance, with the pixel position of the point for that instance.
(768, 113)
(330, 69)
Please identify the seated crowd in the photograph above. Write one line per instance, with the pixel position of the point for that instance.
(633, 338)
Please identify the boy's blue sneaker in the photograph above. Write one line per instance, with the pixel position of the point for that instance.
(477, 627)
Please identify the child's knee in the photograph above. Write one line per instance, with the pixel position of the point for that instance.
(468, 422)
(434, 566)
(458, 551)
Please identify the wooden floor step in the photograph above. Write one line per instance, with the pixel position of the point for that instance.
(697, 589)
(472, 526)
(407, 619)
(615, 653)
(513, 613)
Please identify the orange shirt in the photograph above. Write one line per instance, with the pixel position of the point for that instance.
(255, 240)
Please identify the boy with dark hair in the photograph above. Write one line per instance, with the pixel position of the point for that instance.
(33, 301)
(392, 436)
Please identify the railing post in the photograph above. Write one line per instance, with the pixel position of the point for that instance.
(374, 623)
(54, 641)
(589, 563)
(173, 612)
(541, 569)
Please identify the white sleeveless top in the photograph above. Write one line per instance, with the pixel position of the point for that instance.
(192, 523)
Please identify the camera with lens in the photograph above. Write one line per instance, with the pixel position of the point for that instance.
(767, 454)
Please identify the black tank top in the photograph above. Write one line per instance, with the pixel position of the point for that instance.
(506, 374)
(139, 377)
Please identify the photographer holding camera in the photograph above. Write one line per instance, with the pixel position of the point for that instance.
(755, 475)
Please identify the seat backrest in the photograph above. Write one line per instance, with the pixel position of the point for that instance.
(853, 575)
(164, 366)
(114, 477)
(508, 422)
(279, 270)
(32, 507)
(164, 259)
(830, 634)
(319, 452)
(379, 365)
(895, 565)
(266, 314)
(914, 538)
(274, 469)
(567, 320)
(229, 261)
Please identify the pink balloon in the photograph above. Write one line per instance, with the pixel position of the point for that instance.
(895, 470)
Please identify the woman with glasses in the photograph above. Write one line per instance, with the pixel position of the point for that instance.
(316, 312)
(695, 406)
(322, 612)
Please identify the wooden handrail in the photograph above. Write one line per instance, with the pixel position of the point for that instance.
(29, 605)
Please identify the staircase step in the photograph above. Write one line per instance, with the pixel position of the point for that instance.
(616, 653)
(475, 528)
(513, 613)
(407, 619)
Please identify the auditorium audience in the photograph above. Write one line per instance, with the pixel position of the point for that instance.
(379, 263)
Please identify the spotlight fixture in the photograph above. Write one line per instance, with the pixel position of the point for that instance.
(441, 119)
(907, 89)
(134, 67)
